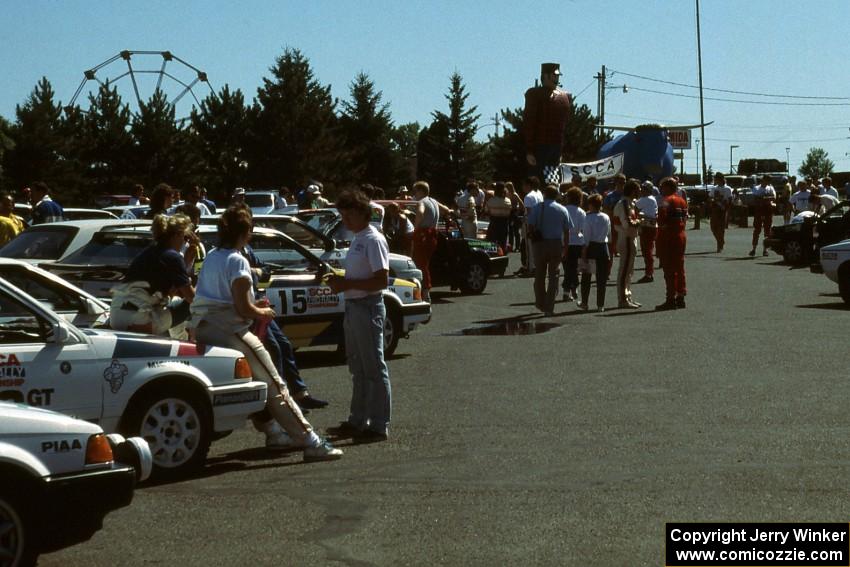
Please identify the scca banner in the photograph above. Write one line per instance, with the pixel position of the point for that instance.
(602, 169)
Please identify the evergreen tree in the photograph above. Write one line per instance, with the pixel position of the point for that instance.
(295, 129)
(451, 154)
(220, 128)
(367, 126)
(817, 164)
(581, 136)
(39, 147)
(106, 146)
(163, 150)
(6, 144)
(405, 140)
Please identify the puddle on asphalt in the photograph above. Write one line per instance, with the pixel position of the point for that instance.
(507, 328)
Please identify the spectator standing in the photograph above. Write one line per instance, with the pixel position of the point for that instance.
(627, 224)
(498, 207)
(532, 197)
(610, 199)
(592, 186)
(238, 196)
(222, 314)
(398, 230)
(137, 196)
(828, 189)
(576, 242)
(597, 227)
(193, 197)
(161, 200)
(672, 240)
(765, 201)
(207, 201)
(516, 219)
(316, 199)
(550, 222)
(366, 270)
(467, 210)
(10, 224)
(647, 206)
(44, 209)
(425, 232)
(800, 200)
(720, 205)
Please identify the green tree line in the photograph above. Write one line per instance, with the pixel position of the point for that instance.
(293, 131)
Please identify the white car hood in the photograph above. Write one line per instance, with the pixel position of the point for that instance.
(16, 419)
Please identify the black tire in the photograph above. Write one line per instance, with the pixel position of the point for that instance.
(844, 282)
(793, 253)
(392, 329)
(184, 424)
(474, 276)
(18, 539)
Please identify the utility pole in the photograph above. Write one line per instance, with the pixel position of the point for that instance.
(497, 121)
(600, 99)
(701, 111)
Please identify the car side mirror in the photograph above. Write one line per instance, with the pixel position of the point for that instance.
(61, 334)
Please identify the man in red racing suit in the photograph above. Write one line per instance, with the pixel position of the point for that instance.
(672, 215)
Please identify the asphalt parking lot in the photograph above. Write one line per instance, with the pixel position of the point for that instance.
(569, 447)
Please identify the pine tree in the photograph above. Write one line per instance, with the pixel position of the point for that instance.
(367, 126)
(449, 154)
(39, 147)
(106, 146)
(817, 164)
(405, 140)
(6, 144)
(295, 129)
(220, 128)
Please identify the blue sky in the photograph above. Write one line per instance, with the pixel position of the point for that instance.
(411, 48)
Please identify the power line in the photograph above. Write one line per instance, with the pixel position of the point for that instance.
(756, 102)
(776, 141)
(728, 90)
(590, 84)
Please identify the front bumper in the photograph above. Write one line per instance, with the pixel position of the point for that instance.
(498, 265)
(233, 404)
(75, 504)
(413, 314)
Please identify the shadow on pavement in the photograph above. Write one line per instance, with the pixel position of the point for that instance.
(627, 313)
(698, 253)
(829, 306)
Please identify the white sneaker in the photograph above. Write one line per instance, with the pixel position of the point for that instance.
(324, 451)
(276, 438)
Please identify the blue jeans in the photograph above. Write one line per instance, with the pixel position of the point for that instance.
(371, 395)
(280, 349)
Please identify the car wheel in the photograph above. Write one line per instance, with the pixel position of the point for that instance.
(178, 427)
(844, 282)
(793, 253)
(392, 330)
(474, 278)
(16, 547)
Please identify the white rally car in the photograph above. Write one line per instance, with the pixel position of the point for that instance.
(835, 264)
(177, 395)
(60, 477)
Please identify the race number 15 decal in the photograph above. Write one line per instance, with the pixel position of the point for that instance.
(299, 301)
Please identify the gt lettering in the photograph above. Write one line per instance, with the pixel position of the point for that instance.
(37, 398)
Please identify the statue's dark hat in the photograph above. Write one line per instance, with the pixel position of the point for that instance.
(546, 68)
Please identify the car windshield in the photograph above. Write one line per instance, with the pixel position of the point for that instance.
(40, 243)
(110, 249)
(18, 324)
(83, 215)
(55, 296)
(298, 232)
(259, 200)
(320, 220)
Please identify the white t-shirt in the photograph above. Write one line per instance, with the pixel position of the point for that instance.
(532, 199)
(830, 191)
(205, 210)
(597, 226)
(724, 190)
(367, 254)
(827, 201)
(800, 200)
(648, 206)
(766, 192)
(577, 216)
(220, 269)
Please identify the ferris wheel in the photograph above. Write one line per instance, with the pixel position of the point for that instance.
(180, 73)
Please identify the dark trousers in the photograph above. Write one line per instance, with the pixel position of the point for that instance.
(497, 231)
(513, 231)
(571, 267)
(283, 356)
(597, 251)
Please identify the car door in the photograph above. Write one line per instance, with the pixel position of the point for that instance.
(833, 225)
(39, 371)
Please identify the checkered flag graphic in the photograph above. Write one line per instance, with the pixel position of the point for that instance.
(551, 174)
